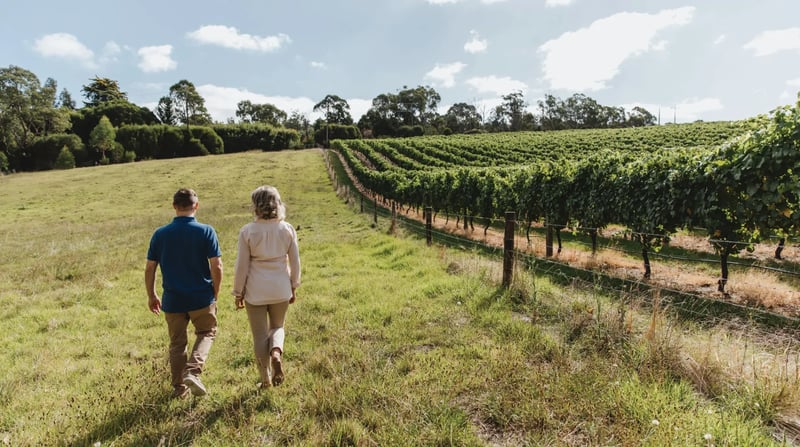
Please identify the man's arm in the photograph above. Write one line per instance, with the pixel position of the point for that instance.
(153, 302)
(216, 274)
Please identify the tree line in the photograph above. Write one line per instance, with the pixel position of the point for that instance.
(742, 191)
(42, 128)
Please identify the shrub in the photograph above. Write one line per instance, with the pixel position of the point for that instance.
(329, 132)
(117, 152)
(194, 147)
(410, 131)
(141, 139)
(210, 140)
(129, 157)
(45, 150)
(65, 159)
(248, 136)
(170, 142)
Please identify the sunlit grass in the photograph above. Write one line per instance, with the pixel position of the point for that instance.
(391, 343)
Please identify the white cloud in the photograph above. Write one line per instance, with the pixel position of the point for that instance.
(156, 58)
(790, 95)
(787, 96)
(221, 101)
(771, 42)
(496, 85)
(554, 3)
(65, 46)
(318, 65)
(589, 57)
(476, 44)
(110, 52)
(694, 108)
(359, 107)
(489, 2)
(445, 74)
(155, 86)
(230, 37)
(721, 38)
(486, 106)
(661, 45)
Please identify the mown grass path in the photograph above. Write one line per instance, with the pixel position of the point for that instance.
(391, 343)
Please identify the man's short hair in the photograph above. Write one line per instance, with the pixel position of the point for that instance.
(184, 198)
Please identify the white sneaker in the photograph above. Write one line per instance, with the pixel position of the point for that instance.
(194, 384)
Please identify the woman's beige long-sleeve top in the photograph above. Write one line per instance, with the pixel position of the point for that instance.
(267, 263)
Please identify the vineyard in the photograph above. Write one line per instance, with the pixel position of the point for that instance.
(736, 183)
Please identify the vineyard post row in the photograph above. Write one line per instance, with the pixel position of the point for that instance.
(741, 190)
(687, 304)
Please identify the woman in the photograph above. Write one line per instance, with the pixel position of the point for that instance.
(266, 275)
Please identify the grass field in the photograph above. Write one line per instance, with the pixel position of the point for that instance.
(391, 342)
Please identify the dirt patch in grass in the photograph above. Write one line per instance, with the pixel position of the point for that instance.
(750, 287)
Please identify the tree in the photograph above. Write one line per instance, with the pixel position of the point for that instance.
(189, 106)
(513, 108)
(337, 110)
(461, 117)
(613, 117)
(417, 105)
(299, 122)
(102, 90)
(120, 113)
(27, 111)
(165, 111)
(260, 113)
(103, 137)
(65, 100)
(497, 121)
(3, 162)
(551, 113)
(582, 112)
(65, 159)
(640, 116)
(407, 108)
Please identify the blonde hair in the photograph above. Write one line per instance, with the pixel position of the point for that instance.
(267, 203)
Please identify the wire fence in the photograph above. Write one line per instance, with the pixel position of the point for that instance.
(757, 346)
(689, 304)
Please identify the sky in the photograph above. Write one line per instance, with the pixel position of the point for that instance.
(681, 60)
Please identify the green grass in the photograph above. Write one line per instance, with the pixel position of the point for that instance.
(391, 343)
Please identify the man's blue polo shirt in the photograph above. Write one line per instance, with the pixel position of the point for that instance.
(182, 249)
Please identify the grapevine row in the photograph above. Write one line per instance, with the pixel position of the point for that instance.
(740, 191)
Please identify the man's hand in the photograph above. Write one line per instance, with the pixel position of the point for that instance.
(154, 304)
(293, 298)
(150, 286)
(239, 302)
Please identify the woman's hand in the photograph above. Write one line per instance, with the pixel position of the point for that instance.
(291, 300)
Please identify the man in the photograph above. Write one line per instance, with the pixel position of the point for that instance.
(191, 272)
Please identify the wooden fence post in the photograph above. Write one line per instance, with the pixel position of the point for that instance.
(375, 210)
(394, 217)
(508, 248)
(428, 224)
(548, 239)
(361, 198)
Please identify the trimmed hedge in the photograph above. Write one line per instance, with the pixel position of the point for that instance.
(328, 132)
(248, 136)
(163, 141)
(44, 151)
